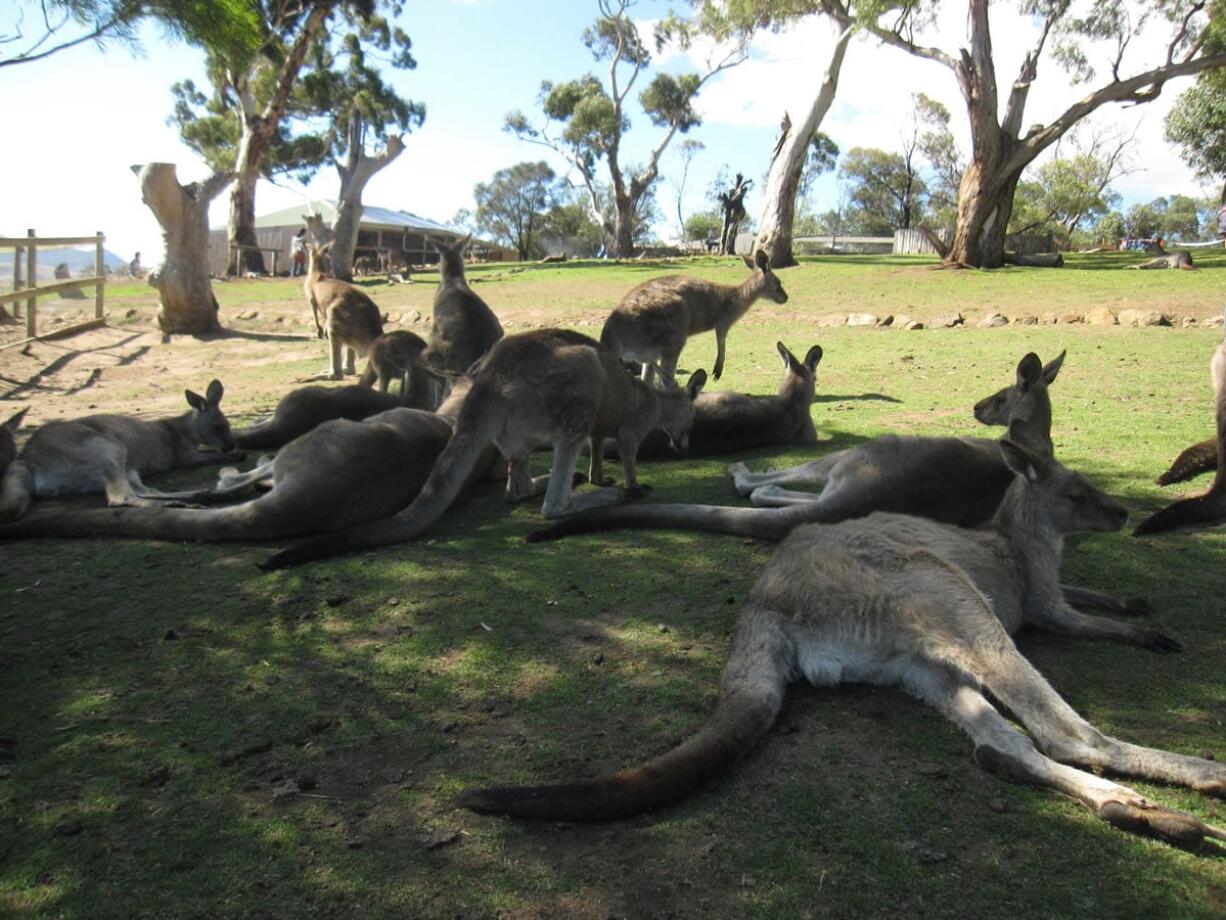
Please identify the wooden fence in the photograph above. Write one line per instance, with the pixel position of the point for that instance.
(29, 245)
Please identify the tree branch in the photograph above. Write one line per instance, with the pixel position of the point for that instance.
(1016, 106)
(29, 56)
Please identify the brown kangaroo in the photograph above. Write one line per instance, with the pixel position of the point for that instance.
(303, 409)
(339, 474)
(346, 312)
(1179, 259)
(728, 422)
(110, 453)
(653, 321)
(548, 386)
(903, 601)
(1206, 510)
(464, 328)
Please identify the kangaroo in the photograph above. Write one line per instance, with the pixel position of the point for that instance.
(464, 328)
(351, 318)
(1178, 259)
(653, 321)
(397, 355)
(110, 453)
(728, 422)
(303, 409)
(548, 386)
(902, 601)
(1206, 510)
(339, 474)
(8, 441)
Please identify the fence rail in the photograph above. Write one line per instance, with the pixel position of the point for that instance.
(29, 245)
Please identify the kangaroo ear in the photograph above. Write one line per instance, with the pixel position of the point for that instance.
(1051, 369)
(786, 355)
(748, 261)
(196, 401)
(214, 391)
(1029, 370)
(813, 357)
(463, 244)
(15, 422)
(697, 381)
(1018, 459)
(761, 260)
(1025, 451)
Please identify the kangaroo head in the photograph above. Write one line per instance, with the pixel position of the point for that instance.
(1027, 398)
(677, 406)
(451, 258)
(208, 425)
(765, 282)
(318, 259)
(1055, 496)
(8, 444)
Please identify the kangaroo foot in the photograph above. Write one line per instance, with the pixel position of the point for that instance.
(1175, 827)
(329, 375)
(740, 478)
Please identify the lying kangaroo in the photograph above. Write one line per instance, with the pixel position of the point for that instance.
(1206, 510)
(351, 319)
(728, 422)
(111, 452)
(8, 441)
(337, 475)
(904, 601)
(1178, 259)
(464, 328)
(394, 356)
(535, 388)
(303, 409)
(653, 321)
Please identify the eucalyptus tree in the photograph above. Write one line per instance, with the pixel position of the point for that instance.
(513, 207)
(1197, 126)
(585, 119)
(1113, 35)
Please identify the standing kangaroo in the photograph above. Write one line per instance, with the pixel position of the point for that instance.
(397, 355)
(339, 474)
(1179, 259)
(548, 386)
(728, 422)
(902, 601)
(1206, 510)
(653, 321)
(110, 453)
(463, 328)
(344, 311)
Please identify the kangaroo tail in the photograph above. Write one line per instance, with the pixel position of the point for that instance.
(761, 523)
(269, 435)
(248, 521)
(16, 491)
(369, 376)
(754, 683)
(478, 424)
(1208, 509)
(1197, 459)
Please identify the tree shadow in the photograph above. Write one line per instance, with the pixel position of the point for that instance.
(252, 336)
(859, 397)
(35, 382)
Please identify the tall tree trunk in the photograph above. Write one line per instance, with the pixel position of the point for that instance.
(355, 173)
(623, 228)
(240, 230)
(188, 304)
(779, 211)
(985, 203)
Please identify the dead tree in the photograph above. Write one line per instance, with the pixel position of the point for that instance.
(733, 204)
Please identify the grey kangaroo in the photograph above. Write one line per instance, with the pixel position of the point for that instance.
(653, 321)
(344, 311)
(1178, 259)
(548, 386)
(303, 409)
(1206, 510)
(463, 328)
(337, 475)
(397, 355)
(110, 453)
(728, 422)
(903, 601)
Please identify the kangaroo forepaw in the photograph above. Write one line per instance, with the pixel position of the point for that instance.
(1157, 641)
(636, 491)
(1175, 827)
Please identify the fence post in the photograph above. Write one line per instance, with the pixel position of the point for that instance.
(100, 274)
(31, 277)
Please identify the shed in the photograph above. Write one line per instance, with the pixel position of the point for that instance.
(403, 236)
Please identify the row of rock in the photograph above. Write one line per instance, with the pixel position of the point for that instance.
(1099, 316)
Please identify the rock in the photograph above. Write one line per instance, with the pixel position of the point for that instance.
(248, 314)
(825, 322)
(899, 321)
(1143, 318)
(886, 321)
(1026, 319)
(1048, 319)
(913, 324)
(1070, 319)
(861, 319)
(1101, 316)
(948, 321)
(993, 319)
(1214, 320)
(1188, 322)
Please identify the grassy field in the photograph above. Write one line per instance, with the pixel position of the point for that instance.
(183, 735)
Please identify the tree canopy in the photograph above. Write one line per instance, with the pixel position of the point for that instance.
(514, 205)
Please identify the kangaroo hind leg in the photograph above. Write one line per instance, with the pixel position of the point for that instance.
(812, 473)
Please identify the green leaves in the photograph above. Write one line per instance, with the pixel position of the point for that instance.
(667, 101)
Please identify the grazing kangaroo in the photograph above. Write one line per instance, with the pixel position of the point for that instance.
(337, 475)
(1206, 510)
(902, 601)
(1178, 259)
(653, 321)
(728, 422)
(350, 318)
(548, 386)
(111, 452)
(303, 409)
(464, 328)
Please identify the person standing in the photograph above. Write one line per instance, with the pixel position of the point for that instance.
(297, 253)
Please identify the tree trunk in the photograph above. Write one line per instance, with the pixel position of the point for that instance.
(355, 173)
(623, 229)
(985, 203)
(779, 211)
(241, 227)
(188, 304)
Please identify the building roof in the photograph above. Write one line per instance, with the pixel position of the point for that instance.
(372, 218)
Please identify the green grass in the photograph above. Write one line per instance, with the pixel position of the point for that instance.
(195, 738)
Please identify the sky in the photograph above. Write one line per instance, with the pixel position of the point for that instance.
(88, 114)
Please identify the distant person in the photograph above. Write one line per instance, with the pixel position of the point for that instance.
(297, 253)
(134, 266)
(1221, 222)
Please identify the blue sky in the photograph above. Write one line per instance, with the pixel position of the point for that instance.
(94, 113)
